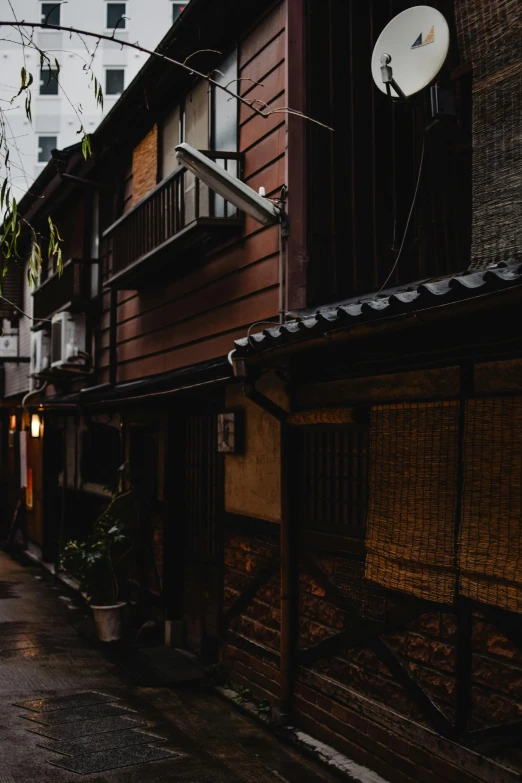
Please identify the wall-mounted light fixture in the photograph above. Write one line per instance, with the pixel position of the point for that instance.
(12, 423)
(36, 426)
(231, 432)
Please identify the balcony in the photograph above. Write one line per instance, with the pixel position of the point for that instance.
(181, 216)
(69, 291)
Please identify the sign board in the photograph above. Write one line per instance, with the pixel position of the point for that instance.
(8, 346)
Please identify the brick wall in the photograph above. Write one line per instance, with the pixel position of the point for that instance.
(330, 692)
(145, 165)
(252, 649)
(351, 700)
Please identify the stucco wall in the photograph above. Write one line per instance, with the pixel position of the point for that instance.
(252, 480)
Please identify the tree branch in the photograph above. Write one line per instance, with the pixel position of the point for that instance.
(160, 56)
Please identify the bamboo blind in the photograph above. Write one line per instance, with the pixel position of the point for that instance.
(413, 497)
(489, 39)
(490, 541)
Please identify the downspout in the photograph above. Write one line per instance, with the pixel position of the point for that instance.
(288, 553)
(113, 325)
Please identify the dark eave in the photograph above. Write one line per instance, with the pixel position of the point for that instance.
(377, 308)
(187, 379)
(48, 182)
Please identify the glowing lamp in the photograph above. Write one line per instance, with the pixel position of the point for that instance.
(36, 426)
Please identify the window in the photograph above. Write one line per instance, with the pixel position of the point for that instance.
(169, 135)
(195, 132)
(115, 16)
(114, 81)
(224, 121)
(45, 145)
(333, 479)
(178, 6)
(48, 81)
(51, 13)
(224, 110)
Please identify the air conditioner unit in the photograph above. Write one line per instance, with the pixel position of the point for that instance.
(40, 356)
(67, 340)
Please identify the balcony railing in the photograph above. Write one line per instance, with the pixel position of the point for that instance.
(179, 216)
(71, 290)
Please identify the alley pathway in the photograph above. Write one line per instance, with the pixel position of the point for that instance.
(77, 715)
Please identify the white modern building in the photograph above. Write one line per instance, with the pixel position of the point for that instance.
(63, 101)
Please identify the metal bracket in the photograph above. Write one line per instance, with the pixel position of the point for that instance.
(388, 80)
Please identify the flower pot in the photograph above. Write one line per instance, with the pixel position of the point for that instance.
(108, 621)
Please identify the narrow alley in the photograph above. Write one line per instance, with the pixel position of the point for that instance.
(85, 717)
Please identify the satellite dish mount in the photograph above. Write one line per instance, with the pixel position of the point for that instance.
(387, 77)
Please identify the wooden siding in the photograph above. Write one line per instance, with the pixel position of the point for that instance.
(197, 317)
(362, 177)
(70, 221)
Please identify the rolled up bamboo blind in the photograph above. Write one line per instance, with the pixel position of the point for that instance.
(413, 498)
(490, 540)
(489, 39)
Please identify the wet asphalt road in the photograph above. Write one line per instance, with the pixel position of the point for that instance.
(190, 735)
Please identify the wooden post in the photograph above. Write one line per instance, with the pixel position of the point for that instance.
(464, 613)
(285, 662)
(289, 576)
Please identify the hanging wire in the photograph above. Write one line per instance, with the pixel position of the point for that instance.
(394, 267)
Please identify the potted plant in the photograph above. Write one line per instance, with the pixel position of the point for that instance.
(98, 562)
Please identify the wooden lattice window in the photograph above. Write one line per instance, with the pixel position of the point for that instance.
(333, 480)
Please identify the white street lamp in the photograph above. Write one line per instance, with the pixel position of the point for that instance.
(226, 185)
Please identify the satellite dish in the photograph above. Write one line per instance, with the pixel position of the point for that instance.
(410, 51)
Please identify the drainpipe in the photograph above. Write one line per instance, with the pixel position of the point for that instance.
(113, 325)
(288, 552)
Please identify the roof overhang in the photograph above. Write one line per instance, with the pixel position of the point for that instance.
(392, 309)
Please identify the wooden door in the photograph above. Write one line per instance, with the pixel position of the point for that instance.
(146, 469)
(203, 504)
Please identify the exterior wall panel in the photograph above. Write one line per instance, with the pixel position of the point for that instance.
(197, 316)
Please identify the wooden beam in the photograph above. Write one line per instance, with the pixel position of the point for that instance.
(319, 416)
(402, 673)
(320, 576)
(261, 576)
(361, 632)
(495, 737)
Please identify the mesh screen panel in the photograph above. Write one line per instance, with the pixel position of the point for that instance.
(333, 470)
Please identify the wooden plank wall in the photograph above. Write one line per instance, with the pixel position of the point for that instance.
(197, 317)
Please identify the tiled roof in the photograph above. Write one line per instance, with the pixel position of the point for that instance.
(396, 301)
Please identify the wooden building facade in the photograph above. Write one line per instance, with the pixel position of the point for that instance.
(357, 562)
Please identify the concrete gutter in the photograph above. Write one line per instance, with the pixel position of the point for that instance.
(305, 743)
